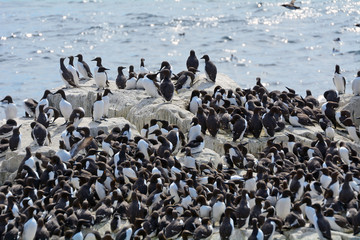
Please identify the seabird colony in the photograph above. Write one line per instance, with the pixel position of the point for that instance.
(144, 189)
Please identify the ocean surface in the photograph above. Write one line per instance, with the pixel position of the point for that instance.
(245, 39)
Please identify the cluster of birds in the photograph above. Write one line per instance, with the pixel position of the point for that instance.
(149, 81)
(140, 186)
(245, 112)
(44, 115)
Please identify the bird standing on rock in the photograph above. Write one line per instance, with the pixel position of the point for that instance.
(65, 106)
(185, 79)
(98, 108)
(83, 67)
(101, 78)
(192, 61)
(98, 65)
(210, 68)
(15, 139)
(43, 101)
(322, 225)
(66, 75)
(143, 69)
(106, 100)
(30, 106)
(165, 65)
(121, 78)
(73, 71)
(339, 81)
(166, 86)
(40, 134)
(213, 123)
(76, 116)
(10, 110)
(356, 85)
(151, 85)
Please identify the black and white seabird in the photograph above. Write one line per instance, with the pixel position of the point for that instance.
(98, 108)
(100, 78)
(11, 109)
(290, 5)
(213, 123)
(76, 116)
(192, 61)
(66, 75)
(165, 65)
(283, 205)
(65, 106)
(143, 69)
(151, 85)
(205, 230)
(52, 113)
(321, 224)
(62, 153)
(166, 86)
(131, 82)
(96, 69)
(73, 71)
(339, 80)
(6, 129)
(121, 78)
(30, 106)
(106, 100)
(355, 85)
(337, 222)
(195, 129)
(43, 101)
(43, 117)
(40, 134)
(269, 121)
(329, 111)
(15, 139)
(218, 210)
(30, 225)
(195, 101)
(226, 229)
(331, 95)
(186, 79)
(210, 68)
(256, 233)
(239, 127)
(353, 133)
(299, 119)
(196, 145)
(83, 67)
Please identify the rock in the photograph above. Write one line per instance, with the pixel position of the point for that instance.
(207, 155)
(307, 233)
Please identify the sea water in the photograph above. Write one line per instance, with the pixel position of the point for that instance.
(245, 39)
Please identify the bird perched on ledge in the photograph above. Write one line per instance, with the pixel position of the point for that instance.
(210, 68)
